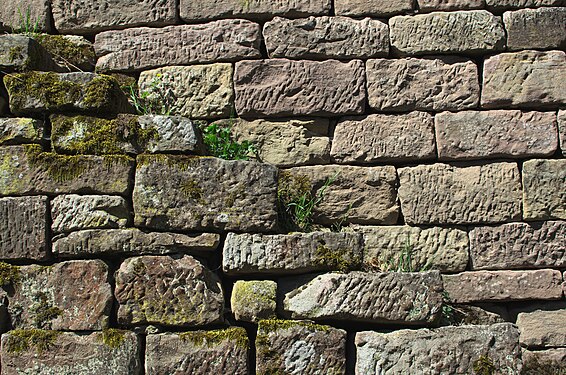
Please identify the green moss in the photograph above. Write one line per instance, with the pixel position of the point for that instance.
(100, 91)
(113, 338)
(335, 259)
(15, 53)
(271, 325)
(60, 168)
(139, 268)
(20, 340)
(212, 338)
(43, 312)
(192, 190)
(65, 52)
(247, 293)
(292, 187)
(483, 366)
(9, 274)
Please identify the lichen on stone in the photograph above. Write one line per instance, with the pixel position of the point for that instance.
(43, 312)
(209, 339)
(112, 337)
(192, 190)
(20, 340)
(9, 274)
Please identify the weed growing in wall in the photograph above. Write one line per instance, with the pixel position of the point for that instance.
(402, 261)
(219, 142)
(27, 24)
(158, 99)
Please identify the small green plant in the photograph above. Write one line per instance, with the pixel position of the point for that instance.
(220, 143)
(448, 311)
(157, 99)
(27, 24)
(483, 366)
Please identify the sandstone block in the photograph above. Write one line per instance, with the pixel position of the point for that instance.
(562, 130)
(514, 4)
(430, 84)
(536, 28)
(460, 314)
(23, 228)
(384, 138)
(15, 131)
(20, 52)
(469, 32)
(460, 194)
(495, 134)
(503, 286)
(443, 5)
(254, 300)
(526, 79)
(544, 192)
(204, 194)
(542, 328)
(280, 87)
(168, 291)
(356, 8)
(552, 358)
(13, 17)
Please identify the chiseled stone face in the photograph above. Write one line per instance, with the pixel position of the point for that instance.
(38, 11)
(356, 8)
(443, 5)
(536, 28)
(514, 4)
(542, 328)
(543, 189)
(254, 300)
(15, 131)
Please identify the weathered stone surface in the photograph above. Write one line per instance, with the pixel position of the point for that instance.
(553, 358)
(544, 189)
(299, 347)
(435, 5)
(147, 48)
(66, 353)
(442, 249)
(27, 170)
(356, 8)
(542, 328)
(69, 53)
(200, 91)
(23, 228)
(470, 32)
(21, 52)
(20, 130)
(254, 300)
(430, 84)
(189, 193)
(280, 87)
(446, 350)
(326, 37)
(337, 296)
(92, 16)
(489, 286)
(526, 79)
(519, 246)
(73, 295)
(495, 134)
(131, 241)
(535, 28)
(291, 253)
(198, 352)
(513, 4)
(562, 130)
(384, 138)
(36, 11)
(168, 291)
(459, 314)
(460, 194)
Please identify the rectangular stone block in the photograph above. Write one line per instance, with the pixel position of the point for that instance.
(514, 4)
(15, 131)
(536, 28)
(191, 193)
(503, 286)
(14, 16)
(544, 189)
(378, 8)
(526, 79)
(429, 84)
(443, 5)
(562, 130)
(23, 228)
(460, 193)
(254, 300)
(340, 38)
(384, 138)
(138, 49)
(469, 32)
(495, 134)
(542, 329)
(280, 87)
(19, 53)
(553, 359)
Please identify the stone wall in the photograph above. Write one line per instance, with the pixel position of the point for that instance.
(428, 138)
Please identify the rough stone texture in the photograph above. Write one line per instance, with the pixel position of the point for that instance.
(254, 300)
(299, 347)
(168, 291)
(12, 16)
(526, 79)
(360, 195)
(513, 4)
(27, 170)
(337, 296)
(443, 249)
(446, 350)
(131, 241)
(384, 138)
(200, 91)
(536, 28)
(92, 16)
(68, 53)
(198, 353)
(73, 295)
(191, 193)
(326, 37)
(70, 354)
(562, 130)
(469, 314)
(20, 52)
(542, 328)
(430, 84)
(544, 189)
(23, 228)
(519, 246)
(495, 134)
(469, 32)
(146, 48)
(554, 357)
(356, 8)
(292, 253)
(503, 286)
(20, 130)
(280, 87)
(460, 194)
(435, 5)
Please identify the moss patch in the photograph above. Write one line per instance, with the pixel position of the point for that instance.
(212, 338)
(335, 259)
(9, 274)
(271, 325)
(43, 312)
(20, 340)
(15, 53)
(65, 52)
(113, 338)
(60, 168)
(192, 190)
(483, 366)
(100, 91)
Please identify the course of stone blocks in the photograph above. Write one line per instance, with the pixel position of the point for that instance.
(422, 141)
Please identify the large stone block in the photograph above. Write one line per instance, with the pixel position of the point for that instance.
(503, 286)
(542, 328)
(544, 189)
(443, 5)
(23, 228)
(526, 79)
(280, 87)
(326, 37)
(562, 130)
(337, 296)
(469, 32)
(21, 52)
(254, 300)
(15, 131)
(384, 138)
(147, 48)
(535, 28)
(495, 134)
(554, 359)
(446, 350)
(429, 84)
(191, 193)
(19, 13)
(519, 246)
(168, 291)
(379, 8)
(514, 4)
